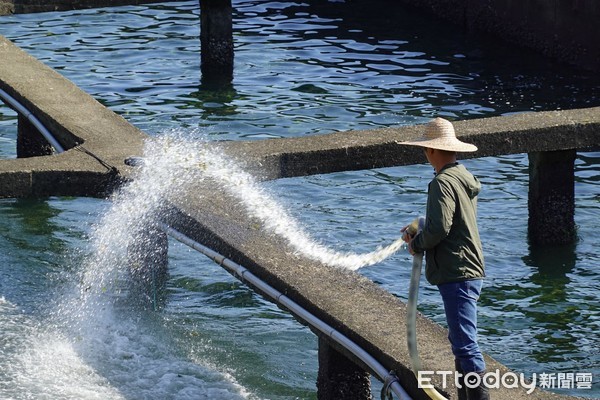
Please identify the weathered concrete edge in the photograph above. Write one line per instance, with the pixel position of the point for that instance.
(97, 141)
(379, 148)
(228, 231)
(67, 174)
(354, 305)
(111, 139)
(6, 7)
(77, 119)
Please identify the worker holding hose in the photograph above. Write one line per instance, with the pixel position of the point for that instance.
(453, 252)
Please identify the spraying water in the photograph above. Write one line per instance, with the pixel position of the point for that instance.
(94, 342)
(202, 162)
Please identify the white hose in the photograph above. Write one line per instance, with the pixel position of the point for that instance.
(33, 119)
(411, 319)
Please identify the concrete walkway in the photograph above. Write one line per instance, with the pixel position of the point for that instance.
(368, 149)
(98, 141)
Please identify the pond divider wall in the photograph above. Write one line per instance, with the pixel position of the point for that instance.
(97, 142)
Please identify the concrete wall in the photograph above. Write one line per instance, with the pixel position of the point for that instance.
(562, 29)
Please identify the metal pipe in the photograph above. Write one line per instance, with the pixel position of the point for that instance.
(33, 119)
(245, 275)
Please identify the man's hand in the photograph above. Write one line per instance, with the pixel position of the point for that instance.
(408, 238)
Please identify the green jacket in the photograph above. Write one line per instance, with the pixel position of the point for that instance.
(450, 237)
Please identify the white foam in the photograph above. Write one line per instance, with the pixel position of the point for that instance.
(39, 364)
(92, 344)
(120, 361)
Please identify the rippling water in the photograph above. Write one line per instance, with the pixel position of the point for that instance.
(300, 68)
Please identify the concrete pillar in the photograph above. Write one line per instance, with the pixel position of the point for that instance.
(216, 39)
(552, 197)
(148, 262)
(339, 378)
(30, 142)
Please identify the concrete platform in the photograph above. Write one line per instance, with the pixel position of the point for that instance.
(378, 148)
(97, 140)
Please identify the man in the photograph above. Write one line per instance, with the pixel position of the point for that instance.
(453, 252)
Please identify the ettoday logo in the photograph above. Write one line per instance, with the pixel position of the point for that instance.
(509, 380)
(492, 379)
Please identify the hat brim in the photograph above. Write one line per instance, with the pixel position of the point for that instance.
(448, 144)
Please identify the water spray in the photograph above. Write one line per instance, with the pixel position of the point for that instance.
(208, 163)
(170, 158)
(275, 218)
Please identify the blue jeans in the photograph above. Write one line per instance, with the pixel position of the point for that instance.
(460, 304)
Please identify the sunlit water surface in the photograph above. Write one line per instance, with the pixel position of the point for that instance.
(299, 69)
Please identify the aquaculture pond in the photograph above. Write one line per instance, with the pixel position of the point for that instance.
(301, 68)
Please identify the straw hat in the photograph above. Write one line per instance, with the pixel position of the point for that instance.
(439, 134)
